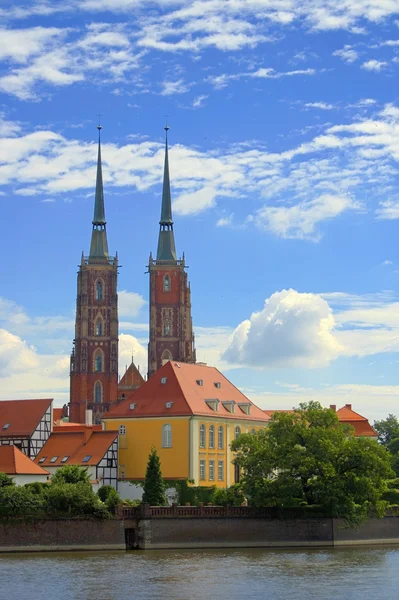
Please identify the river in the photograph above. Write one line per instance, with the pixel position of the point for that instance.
(334, 574)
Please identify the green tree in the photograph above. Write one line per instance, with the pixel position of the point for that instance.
(154, 486)
(18, 501)
(307, 458)
(74, 499)
(232, 496)
(70, 474)
(110, 497)
(6, 480)
(387, 429)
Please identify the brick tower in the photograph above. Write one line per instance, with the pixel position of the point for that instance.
(171, 331)
(94, 358)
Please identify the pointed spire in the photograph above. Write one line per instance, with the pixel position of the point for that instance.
(99, 244)
(166, 240)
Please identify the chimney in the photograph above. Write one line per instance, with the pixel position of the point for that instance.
(348, 406)
(89, 417)
(333, 407)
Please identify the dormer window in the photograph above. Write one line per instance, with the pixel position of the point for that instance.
(169, 404)
(132, 406)
(64, 459)
(42, 460)
(213, 403)
(200, 382)
(217, 384)
(229, 405)
(245, 407)
(166, 283)
(53, 459)
(164, 380)
(6, 426)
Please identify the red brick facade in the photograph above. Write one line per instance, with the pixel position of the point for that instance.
(94, 360)
(171, 332)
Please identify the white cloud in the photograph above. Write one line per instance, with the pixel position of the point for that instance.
(130, 303)
(388, 209)
(320, 105)
(300, 221)
(195, 202)
(374, 65)
(225, 221)
(292, 330)
(347, 53)
(170, 88)
(198, 102)
(129, 346)
(15, 355)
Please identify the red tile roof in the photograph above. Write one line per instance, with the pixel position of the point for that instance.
(131, 378)
(65, 425)
(22, 416)
(14, 462)
(186, 396)
(76, 445)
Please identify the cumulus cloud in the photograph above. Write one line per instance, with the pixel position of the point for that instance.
(129, 346)
(130, 303)
(374, 65)
(292, 330)
(347, 53)
(15, 355)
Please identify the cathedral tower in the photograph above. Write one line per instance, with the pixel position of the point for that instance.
(94, 359)
(171, 331)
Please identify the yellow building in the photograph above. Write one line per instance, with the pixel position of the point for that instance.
(190, 413)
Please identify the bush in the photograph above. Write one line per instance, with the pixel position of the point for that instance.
(71, 474)
(20, 501)
(5, 480)
(37, 487)
(110, 497)
(74, 499)
(232, 496)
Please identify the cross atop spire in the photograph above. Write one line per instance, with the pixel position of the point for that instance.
(166, 240)
(99, 244)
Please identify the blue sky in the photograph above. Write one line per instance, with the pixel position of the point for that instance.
(284, 150)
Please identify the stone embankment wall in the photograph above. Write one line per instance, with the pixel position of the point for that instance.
(63, 534)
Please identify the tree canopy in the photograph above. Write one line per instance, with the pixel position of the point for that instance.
(308, 458)
(387, 429)
(154, 486)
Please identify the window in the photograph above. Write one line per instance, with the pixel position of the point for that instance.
(166, 327)
(211, 470)
(99, 327)
(220, 438)
(166, 355)
(122, 429)
(200, 382)
(220, 470)
(237, 432)
(98, 362)
(64, 459)
(132, 406)
(98, 392)
(166, 283)
(217, 384)
(99, 290)
(6, 426)
(167, 436)
(253, 431)
(211, 436)
(169, 404)
(53, 459)
(97, 419)
(164, 380)
(202, 469)
(43, 458)
(87, 458)
(202, 436)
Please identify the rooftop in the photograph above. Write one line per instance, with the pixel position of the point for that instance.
(14, 462)
(19, 418)
(72, 447)
(179, 389)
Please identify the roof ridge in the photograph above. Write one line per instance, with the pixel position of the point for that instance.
(178, 383)
(353, 411)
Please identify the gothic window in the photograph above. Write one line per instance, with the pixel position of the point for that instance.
(99, 327)
(166, 283)
(220, 438)
(202, 436)
(237, 432)
(211, 436)
(99, 289)
(98, 392)
(98, 361)
(97, 419)
(166, 355)
(166, 327)
(167, 436)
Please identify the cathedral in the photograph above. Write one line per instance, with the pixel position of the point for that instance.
(94, 382)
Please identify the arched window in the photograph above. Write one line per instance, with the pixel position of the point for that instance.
(98, 362)
(166, 283)
(166, 327)
(202, 436)
(167, 436)
(211, 436)
(98, 392)
(220, 438)
(97, 419)
(166, 355)
(99, 327)
(237, 432)
(99, 289)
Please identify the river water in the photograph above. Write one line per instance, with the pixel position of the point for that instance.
(339, 574)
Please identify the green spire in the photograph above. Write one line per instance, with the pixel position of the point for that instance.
(166, 240)
(99, 244)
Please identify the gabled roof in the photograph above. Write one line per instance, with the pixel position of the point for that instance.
(14, 462)
(21, 416)
(131, 378)
(75, 445)
(188, 389)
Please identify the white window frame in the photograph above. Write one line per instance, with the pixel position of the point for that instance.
(211, 470)
(202, 436)
(211, 436)
(221, 437)
(122, 429)
(202, 469)
(167, 436)
(237, 432)
(220, 470)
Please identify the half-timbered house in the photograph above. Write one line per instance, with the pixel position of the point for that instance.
(26, 424)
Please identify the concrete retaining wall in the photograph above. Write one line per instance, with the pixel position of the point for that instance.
(60, 535)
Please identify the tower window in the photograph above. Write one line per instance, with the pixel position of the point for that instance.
(98, 362)
(99, 290)
(166, 283)
(166, 328)
(166, 355)
(99, 327)
(98, 392)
